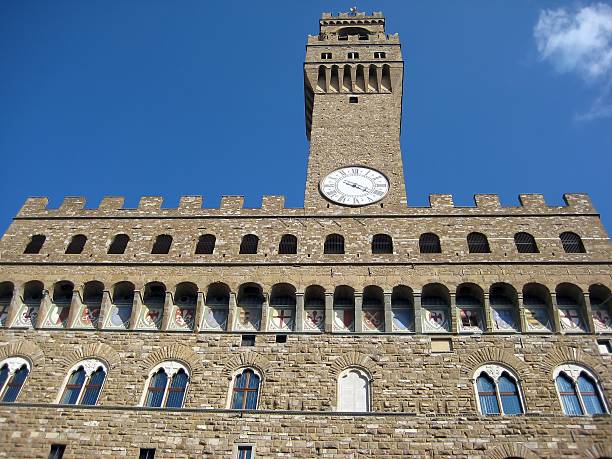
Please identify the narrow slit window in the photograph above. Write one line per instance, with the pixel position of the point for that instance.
(380, 55)
(326, 55)
(353, 55)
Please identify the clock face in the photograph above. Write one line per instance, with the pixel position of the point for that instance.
(354, 186)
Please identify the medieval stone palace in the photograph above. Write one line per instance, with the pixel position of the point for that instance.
(354, 327)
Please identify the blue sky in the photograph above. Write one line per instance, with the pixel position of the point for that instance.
(171, 98)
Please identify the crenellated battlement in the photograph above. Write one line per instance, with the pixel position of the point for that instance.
(151, 206)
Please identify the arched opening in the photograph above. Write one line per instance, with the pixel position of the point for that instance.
(282, 310)
(344, 309)
(360, 79)
(601, 305)
(162, 244)
(35, 244)
(478, 243)
(6, 295)
(470, 302)
(250, 302)
(121, 310)
(498, 391)
(32, 297)
(288, 244)
(334, 244)
(119, 244)
(402, 306)
(152, 311)
(334, 85)
(525, 243)
(184, 307)
(59, 310)
(354, 391)
(536, 299)
(217, 307)
(347, 85)
(206, 244)
(572, 243)
(382, 244)
(245, 391)
(429, 243)
(321, 83)
(314, 308)
(345, 32)
(249, 244)
(76, 245)
(93, 293)
(579, 391)
(386, 78)
(435, 300)
(504, 307)
(373, 307)
(372, 79)
(570, 301)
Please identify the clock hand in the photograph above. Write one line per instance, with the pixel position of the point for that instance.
(355, 185)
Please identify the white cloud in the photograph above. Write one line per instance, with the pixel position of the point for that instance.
(580, 41)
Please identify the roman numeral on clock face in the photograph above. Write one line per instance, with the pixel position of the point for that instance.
(354, 186)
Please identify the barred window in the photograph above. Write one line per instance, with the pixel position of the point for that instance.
(572, 243)
(380, 55)
(167, 385)
(288, 244)
(579, 391)
(246, 390)
(206, 244)
(429, 243)
(13, 373)
(334, 244)
(162, 244)
(84, 384)
(478, 243)
(525, 243)
(119, 244)
(382, 243)
(249, 244)
(498, 391)
(76, 245)
(36, 243)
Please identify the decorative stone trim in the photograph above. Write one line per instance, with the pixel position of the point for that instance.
(599, 451)
(99, 351)
(511, 450)
(175, 352)
(565, 354)
(247, 359)
(26, 349)
(484, 356)
(354, 359)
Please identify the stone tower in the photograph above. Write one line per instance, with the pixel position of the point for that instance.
(353, 92)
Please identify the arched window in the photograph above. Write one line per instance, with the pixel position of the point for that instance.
(85, 383)
(206, 244)
(217, 307)
(288, 244)
(525, 243)
(373, 312)
(282, 307)
(36, 243)
(579, 391)
(250, 304)
(33, 292)
(470, 302)
(249, 244)
(183, 309)
(429, 243)
(334, 244)
(536, 299)
(601, 300)
(498, 391)
(245, 391)
(162, 244)
(344, 309)
(121, 310)
(382, 243)
(314, 308)
(478, 243)
(572, 243)
(353, 391)
(76, 245)
(6, 296)
(119, 244)
(166, 386)
(13, 373)
(93, 292)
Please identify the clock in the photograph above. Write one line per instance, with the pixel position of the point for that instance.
(354, 186)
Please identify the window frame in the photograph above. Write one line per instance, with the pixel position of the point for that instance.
(14, 364)
(252, 244)
(382, 244)
(230, 397)
(528, 245)
(111, 250)
(369, 397)
(205, 241)
(495, 371)
(237, 446)
(476, 246)
(577, 241)
(80, 240)
(573, 372)
(341, 242)
(37, 241)
(434, 240)
(90, 366)
(288, 241)
(171, 367)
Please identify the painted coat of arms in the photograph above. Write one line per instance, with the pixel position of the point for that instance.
(314, 320)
